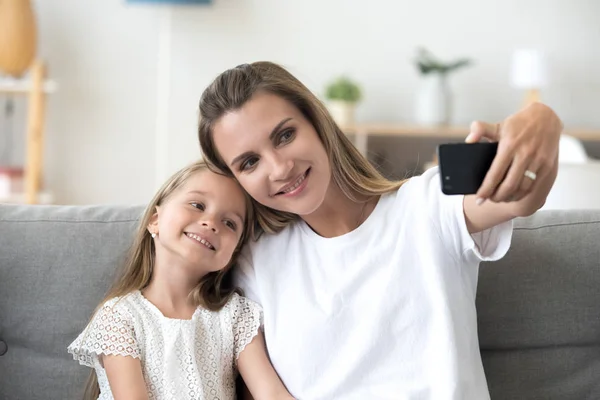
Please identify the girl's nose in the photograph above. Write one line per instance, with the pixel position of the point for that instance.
(209, 224)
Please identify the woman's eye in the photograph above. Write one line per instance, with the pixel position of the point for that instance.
(231, 225)
(248, 163)
(286, 136)
(199, 206)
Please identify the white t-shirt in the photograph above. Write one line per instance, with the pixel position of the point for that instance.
(386, 311)
(181, 359)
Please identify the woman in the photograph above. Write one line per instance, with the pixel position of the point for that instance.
(367, 285)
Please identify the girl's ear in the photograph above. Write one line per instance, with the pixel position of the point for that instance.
(153, 224)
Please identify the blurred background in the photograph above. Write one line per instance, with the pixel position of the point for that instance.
(115, 109)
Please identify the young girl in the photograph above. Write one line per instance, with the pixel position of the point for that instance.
(368, 286)
(172, 327)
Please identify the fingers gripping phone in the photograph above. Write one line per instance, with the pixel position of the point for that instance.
(463, 166)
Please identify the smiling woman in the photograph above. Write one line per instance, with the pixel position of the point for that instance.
(367, 285)
(272, 111)
(267, 171)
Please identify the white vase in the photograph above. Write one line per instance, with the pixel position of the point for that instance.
(342, 112)
(434, 101)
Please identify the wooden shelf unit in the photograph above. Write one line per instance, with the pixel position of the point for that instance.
(361, 132)
(35, 87)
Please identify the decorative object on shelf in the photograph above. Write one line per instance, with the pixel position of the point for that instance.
(342, 95)
(529, 73)
(18, 36)
(11, 181)
(434, 98)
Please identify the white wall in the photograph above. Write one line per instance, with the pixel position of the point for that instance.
(101, 124)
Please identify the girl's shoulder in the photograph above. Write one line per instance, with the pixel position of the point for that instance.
(239, 302)
(119, 302)
(124, 307)
(242, 309)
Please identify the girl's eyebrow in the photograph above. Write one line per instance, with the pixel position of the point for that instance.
(239, 216)
(271, 136)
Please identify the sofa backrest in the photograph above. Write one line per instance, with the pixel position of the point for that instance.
(55, 265)
(538, 308)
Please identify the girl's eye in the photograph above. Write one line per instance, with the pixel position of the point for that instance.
(199, 206)
(231, 225)
(286, 136)
(248, 163)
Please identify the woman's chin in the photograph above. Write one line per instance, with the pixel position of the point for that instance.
(301, 208)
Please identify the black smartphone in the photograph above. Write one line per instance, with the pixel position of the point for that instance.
(463, 166)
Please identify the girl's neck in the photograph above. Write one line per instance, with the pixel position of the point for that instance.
(338, 214)
(170, 287)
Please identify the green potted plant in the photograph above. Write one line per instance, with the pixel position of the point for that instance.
(342, 95)
(427, 63)
(434, 99)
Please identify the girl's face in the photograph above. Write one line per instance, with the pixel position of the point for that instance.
(275, 154)
(200, 223)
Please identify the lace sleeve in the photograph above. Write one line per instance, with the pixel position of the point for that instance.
(110, 332)
(246, 320)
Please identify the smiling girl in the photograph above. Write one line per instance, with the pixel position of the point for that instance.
(172, 326)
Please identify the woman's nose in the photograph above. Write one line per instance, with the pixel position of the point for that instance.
(280, 168)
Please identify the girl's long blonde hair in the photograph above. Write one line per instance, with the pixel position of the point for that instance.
(214, 289)
(351, 171)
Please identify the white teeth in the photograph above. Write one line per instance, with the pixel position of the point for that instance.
(199, 239)
(295, 185)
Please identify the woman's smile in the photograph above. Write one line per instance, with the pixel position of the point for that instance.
(296, 187)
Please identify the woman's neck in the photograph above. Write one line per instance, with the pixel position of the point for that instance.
(338, 214)
(170, 287)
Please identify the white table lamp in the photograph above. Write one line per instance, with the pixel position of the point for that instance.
(528, 72)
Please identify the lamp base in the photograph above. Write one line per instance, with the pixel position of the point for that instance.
(531, 96)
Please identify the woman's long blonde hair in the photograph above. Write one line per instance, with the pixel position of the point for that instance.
(214, 289)
(351, 171)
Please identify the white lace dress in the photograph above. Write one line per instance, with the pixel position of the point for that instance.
(181, 359)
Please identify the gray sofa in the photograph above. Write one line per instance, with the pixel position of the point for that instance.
(539, 307)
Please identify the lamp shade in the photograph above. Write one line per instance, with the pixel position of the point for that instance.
(528, 69)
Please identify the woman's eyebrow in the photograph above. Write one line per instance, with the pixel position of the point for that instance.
(278, 127)
(271, 136)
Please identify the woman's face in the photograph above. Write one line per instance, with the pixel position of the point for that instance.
(275, 153)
